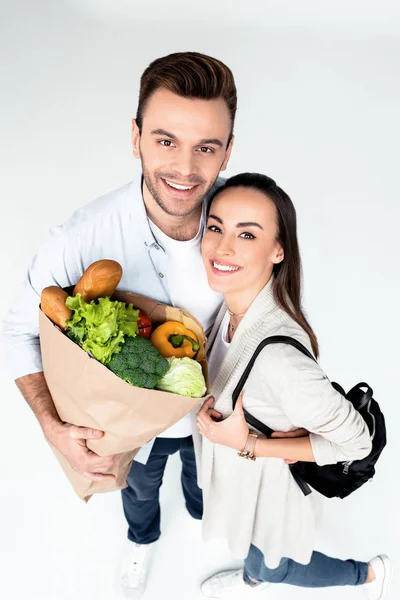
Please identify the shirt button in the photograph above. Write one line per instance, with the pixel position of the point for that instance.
(157, 247)
(161, 275)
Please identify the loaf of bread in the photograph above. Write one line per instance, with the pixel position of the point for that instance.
(52, 303)
(99, 280)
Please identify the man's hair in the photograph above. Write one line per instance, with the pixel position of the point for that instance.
(190, 75)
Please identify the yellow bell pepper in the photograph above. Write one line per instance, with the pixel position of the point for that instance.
(172, 338)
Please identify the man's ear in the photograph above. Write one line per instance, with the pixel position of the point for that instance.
(227, 154)
(135, 139)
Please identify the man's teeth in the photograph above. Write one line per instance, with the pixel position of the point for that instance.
(224, 267)
(179, 187)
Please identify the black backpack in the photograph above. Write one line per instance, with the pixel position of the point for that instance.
(341, 479)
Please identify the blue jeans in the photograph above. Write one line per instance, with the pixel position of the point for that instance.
(141, 498)
(321, 571)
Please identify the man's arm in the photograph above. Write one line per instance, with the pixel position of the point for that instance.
(59, 263)
(68, 439)
(35, 391)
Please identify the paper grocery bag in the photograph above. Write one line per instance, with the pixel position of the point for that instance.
(87, 394)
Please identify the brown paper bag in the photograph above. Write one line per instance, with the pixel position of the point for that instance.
(87, 394)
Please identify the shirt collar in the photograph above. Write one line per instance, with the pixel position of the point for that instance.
(139, 212)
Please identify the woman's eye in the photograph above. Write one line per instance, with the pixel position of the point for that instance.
(214, 228)
(166, 143)
(247, 236)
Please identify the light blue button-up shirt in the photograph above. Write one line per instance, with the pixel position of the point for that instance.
(114, 226)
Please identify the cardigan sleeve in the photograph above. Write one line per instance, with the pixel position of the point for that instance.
(337, 430)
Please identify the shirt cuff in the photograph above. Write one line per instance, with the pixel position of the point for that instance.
(23, 360)
(323, 450)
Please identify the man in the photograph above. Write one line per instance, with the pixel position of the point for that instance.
(183, 135)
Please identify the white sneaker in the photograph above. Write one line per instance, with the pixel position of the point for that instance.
(378, 589)
(134, 568)
(230, 584)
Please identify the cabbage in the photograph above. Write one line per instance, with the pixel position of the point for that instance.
(184, 377)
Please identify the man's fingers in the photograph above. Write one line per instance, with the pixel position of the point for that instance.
(85, 433)
(99, 476)
(99, 463)
(290, 462)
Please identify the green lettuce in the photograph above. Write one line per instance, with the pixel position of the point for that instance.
(100, 327)
(184, 377)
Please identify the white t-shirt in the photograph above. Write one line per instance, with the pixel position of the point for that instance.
(186, 281)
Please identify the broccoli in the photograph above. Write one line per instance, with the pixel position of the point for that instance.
(139, 363)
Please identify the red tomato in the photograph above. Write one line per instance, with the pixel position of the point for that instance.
(144, 325)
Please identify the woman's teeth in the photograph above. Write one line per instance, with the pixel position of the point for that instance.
(224, 267)
(178, 187)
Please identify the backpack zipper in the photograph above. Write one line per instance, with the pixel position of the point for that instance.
(346, 467)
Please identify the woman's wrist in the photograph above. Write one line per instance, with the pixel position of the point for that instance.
(248, 449)
(261, 448)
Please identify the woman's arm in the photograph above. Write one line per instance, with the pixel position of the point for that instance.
(289, 449)
(337, 430)
(233, 432)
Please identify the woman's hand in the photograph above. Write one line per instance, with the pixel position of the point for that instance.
(232, 432)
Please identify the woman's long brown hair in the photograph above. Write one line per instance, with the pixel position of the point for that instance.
(288, 273)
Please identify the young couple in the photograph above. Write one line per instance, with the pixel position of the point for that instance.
(228, 253)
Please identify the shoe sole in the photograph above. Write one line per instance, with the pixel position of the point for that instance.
(387, 567)
(257, 589)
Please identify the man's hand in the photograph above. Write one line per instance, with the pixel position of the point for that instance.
(68, 439)
(290, 434)
(71, 442)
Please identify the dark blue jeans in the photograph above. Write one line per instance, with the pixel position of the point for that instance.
(141, 498)
(321, 571)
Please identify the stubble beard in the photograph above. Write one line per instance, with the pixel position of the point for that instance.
(157, 196)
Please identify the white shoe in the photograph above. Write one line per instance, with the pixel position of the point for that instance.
(230, 584)
(378, 589)
(134, 568)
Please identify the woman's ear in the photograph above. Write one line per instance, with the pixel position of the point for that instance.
(135, 139)
(278, 255)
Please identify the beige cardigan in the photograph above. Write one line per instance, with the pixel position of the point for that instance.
(259, 502)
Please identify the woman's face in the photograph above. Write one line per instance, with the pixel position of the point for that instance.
(239, 247)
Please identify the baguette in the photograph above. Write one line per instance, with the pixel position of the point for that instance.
(52, 303)
(99, 280)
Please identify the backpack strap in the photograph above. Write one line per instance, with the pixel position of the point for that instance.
(267, 431)
(273, 339)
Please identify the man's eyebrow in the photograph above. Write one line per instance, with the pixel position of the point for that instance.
(214, 141)
(163, 132)
(204, 141)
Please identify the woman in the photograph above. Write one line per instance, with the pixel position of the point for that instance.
(251, 254)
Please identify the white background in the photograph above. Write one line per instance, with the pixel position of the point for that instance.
(319, 98)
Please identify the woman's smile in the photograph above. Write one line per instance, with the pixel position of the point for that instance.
(221, 267)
